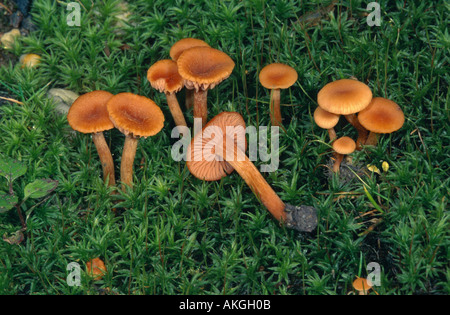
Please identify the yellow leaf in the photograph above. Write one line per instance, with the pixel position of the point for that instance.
(385, 166)
(373, 168)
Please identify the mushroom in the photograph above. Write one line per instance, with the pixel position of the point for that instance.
(203, 68)
(362, 285)
(346, 97)
(327, 121)
(213, 157)
(135, 116)
(96, 268)
(277, 76)
(88, 114)
(381, 116)
(164, 77)
(342, 146)
(176, 50)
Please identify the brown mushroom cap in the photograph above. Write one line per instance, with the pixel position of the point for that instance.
(177, 49)
(277, 76)
(344, 145)
(344, 97)
(135, 115)
(88, 114)
(204, 67)
(382, 116)
(200, 162)
(163, 75)
(324, 119)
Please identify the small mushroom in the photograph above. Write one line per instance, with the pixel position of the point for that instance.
(203, 68)
(164, 77)
(326, 120)
(342, 146)
(176, 50)
(381, 116)
(88, 114)
(277, 76)
(362, 285)
(213, 157)
(135, 116)
(346, 97)
(96, 268)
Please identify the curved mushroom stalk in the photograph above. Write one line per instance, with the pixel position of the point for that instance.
(105, 157)
(362, 132)
(303, 218)
(372, 139)
(175, 109)
(212, 158)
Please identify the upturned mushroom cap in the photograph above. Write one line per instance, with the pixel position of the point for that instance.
(277, 76)
(382, 116)
(88, 114)
(163, 75)
(135, 115)
(177, 49)
(324, 119)
(344, 145)
(203, 68)
(344, 97)
(201, 160)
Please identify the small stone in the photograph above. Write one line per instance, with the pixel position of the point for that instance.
(9, 38)
(63, 99)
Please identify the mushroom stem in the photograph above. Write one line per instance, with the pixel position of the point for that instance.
(275, 111)
(332, 134)
(175, 109)
(105, 157)
(189, 98)
(200, 105)
(372, 139)
(362, 132)
(301, 218)
(128, 155)
(337, 163)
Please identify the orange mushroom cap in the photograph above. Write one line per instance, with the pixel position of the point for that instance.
(382, 116)
(180, 46)
(277, 76)
(135, 115)
(344, 97)
(362, 284)
(163, 75)
(200, 162)
(88, 114)
(344, 145)
(204, 67)
(96, 268)
(324, 119)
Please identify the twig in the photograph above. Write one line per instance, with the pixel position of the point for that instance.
(11, 100)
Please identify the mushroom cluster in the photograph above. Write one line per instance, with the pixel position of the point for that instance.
(197, 67)
(134, 115)
(369, 115)
(193, 65)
